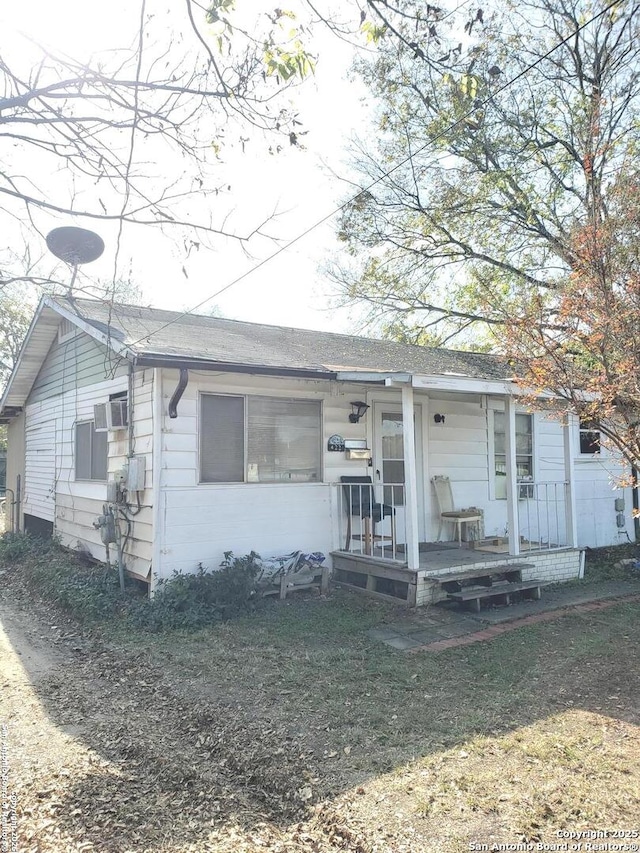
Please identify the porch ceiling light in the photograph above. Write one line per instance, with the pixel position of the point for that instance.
(358, 410)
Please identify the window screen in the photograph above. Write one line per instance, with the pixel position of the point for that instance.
(283, 440)
(91, 452)
(589, 436)
(221, 439)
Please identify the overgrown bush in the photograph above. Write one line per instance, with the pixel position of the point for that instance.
(90, 591)
(195, 600)
(16, 547)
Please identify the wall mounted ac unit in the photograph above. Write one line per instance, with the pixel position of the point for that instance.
(110, 416)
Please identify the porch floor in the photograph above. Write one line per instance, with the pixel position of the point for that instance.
(437, 556)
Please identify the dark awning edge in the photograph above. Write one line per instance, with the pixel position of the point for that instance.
(178, 362)
(8, 413)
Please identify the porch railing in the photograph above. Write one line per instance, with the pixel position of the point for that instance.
(372, 519)
(542, 515)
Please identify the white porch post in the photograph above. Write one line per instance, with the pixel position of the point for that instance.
(512, 475)
(410, 478)
(569, 476)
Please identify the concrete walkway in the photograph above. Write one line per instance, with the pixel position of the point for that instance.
(446, 625)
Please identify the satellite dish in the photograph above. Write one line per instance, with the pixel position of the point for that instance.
(75, 245)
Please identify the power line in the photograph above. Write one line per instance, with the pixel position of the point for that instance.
(477, 105)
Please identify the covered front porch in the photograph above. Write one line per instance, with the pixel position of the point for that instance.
(394, 581)
(386, 531)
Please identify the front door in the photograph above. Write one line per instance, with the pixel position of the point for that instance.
(388, 462)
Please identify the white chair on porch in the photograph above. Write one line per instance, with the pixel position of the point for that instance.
(449, 515)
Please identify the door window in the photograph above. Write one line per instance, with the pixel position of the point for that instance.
(393, 458)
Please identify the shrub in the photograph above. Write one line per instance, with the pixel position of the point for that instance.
(90, 591)
(17, 547)
(193, 601)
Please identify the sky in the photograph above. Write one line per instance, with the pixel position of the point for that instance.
(300, 186)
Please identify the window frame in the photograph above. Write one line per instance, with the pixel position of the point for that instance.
(491, 467)
(93, 433)
(245, 397)
(585, 455)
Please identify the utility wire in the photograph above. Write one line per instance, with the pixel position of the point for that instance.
(477, 105)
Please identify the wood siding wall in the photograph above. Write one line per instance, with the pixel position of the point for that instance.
(77, 362)
(76, 375)
(40, 461)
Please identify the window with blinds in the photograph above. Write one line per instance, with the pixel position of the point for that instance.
(91, 452)
(259, 440)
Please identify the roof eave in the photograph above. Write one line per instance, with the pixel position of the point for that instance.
(436, 382)
(176, 362)
(108, 341)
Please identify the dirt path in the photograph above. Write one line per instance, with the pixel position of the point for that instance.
(38, 752)
(103, 756)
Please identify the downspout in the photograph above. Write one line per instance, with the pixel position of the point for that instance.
(177, 394)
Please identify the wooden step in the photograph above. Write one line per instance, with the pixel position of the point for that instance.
(456, 581)
(474, 595)
(469, 574)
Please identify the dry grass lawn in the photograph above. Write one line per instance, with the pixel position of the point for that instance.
(291, 731)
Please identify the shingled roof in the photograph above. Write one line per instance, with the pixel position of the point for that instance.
(154, 333)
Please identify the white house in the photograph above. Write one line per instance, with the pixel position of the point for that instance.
(200, 435)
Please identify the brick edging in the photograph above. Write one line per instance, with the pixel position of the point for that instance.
(534, 619)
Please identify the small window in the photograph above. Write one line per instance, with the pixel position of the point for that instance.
(524, 452)
(259, 439)
(589, 437)
(91, 453)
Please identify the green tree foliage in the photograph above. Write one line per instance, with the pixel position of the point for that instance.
(507, 148)
(15, 316)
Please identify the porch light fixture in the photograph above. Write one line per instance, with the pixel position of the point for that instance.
(439, 419)
(358, 410)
